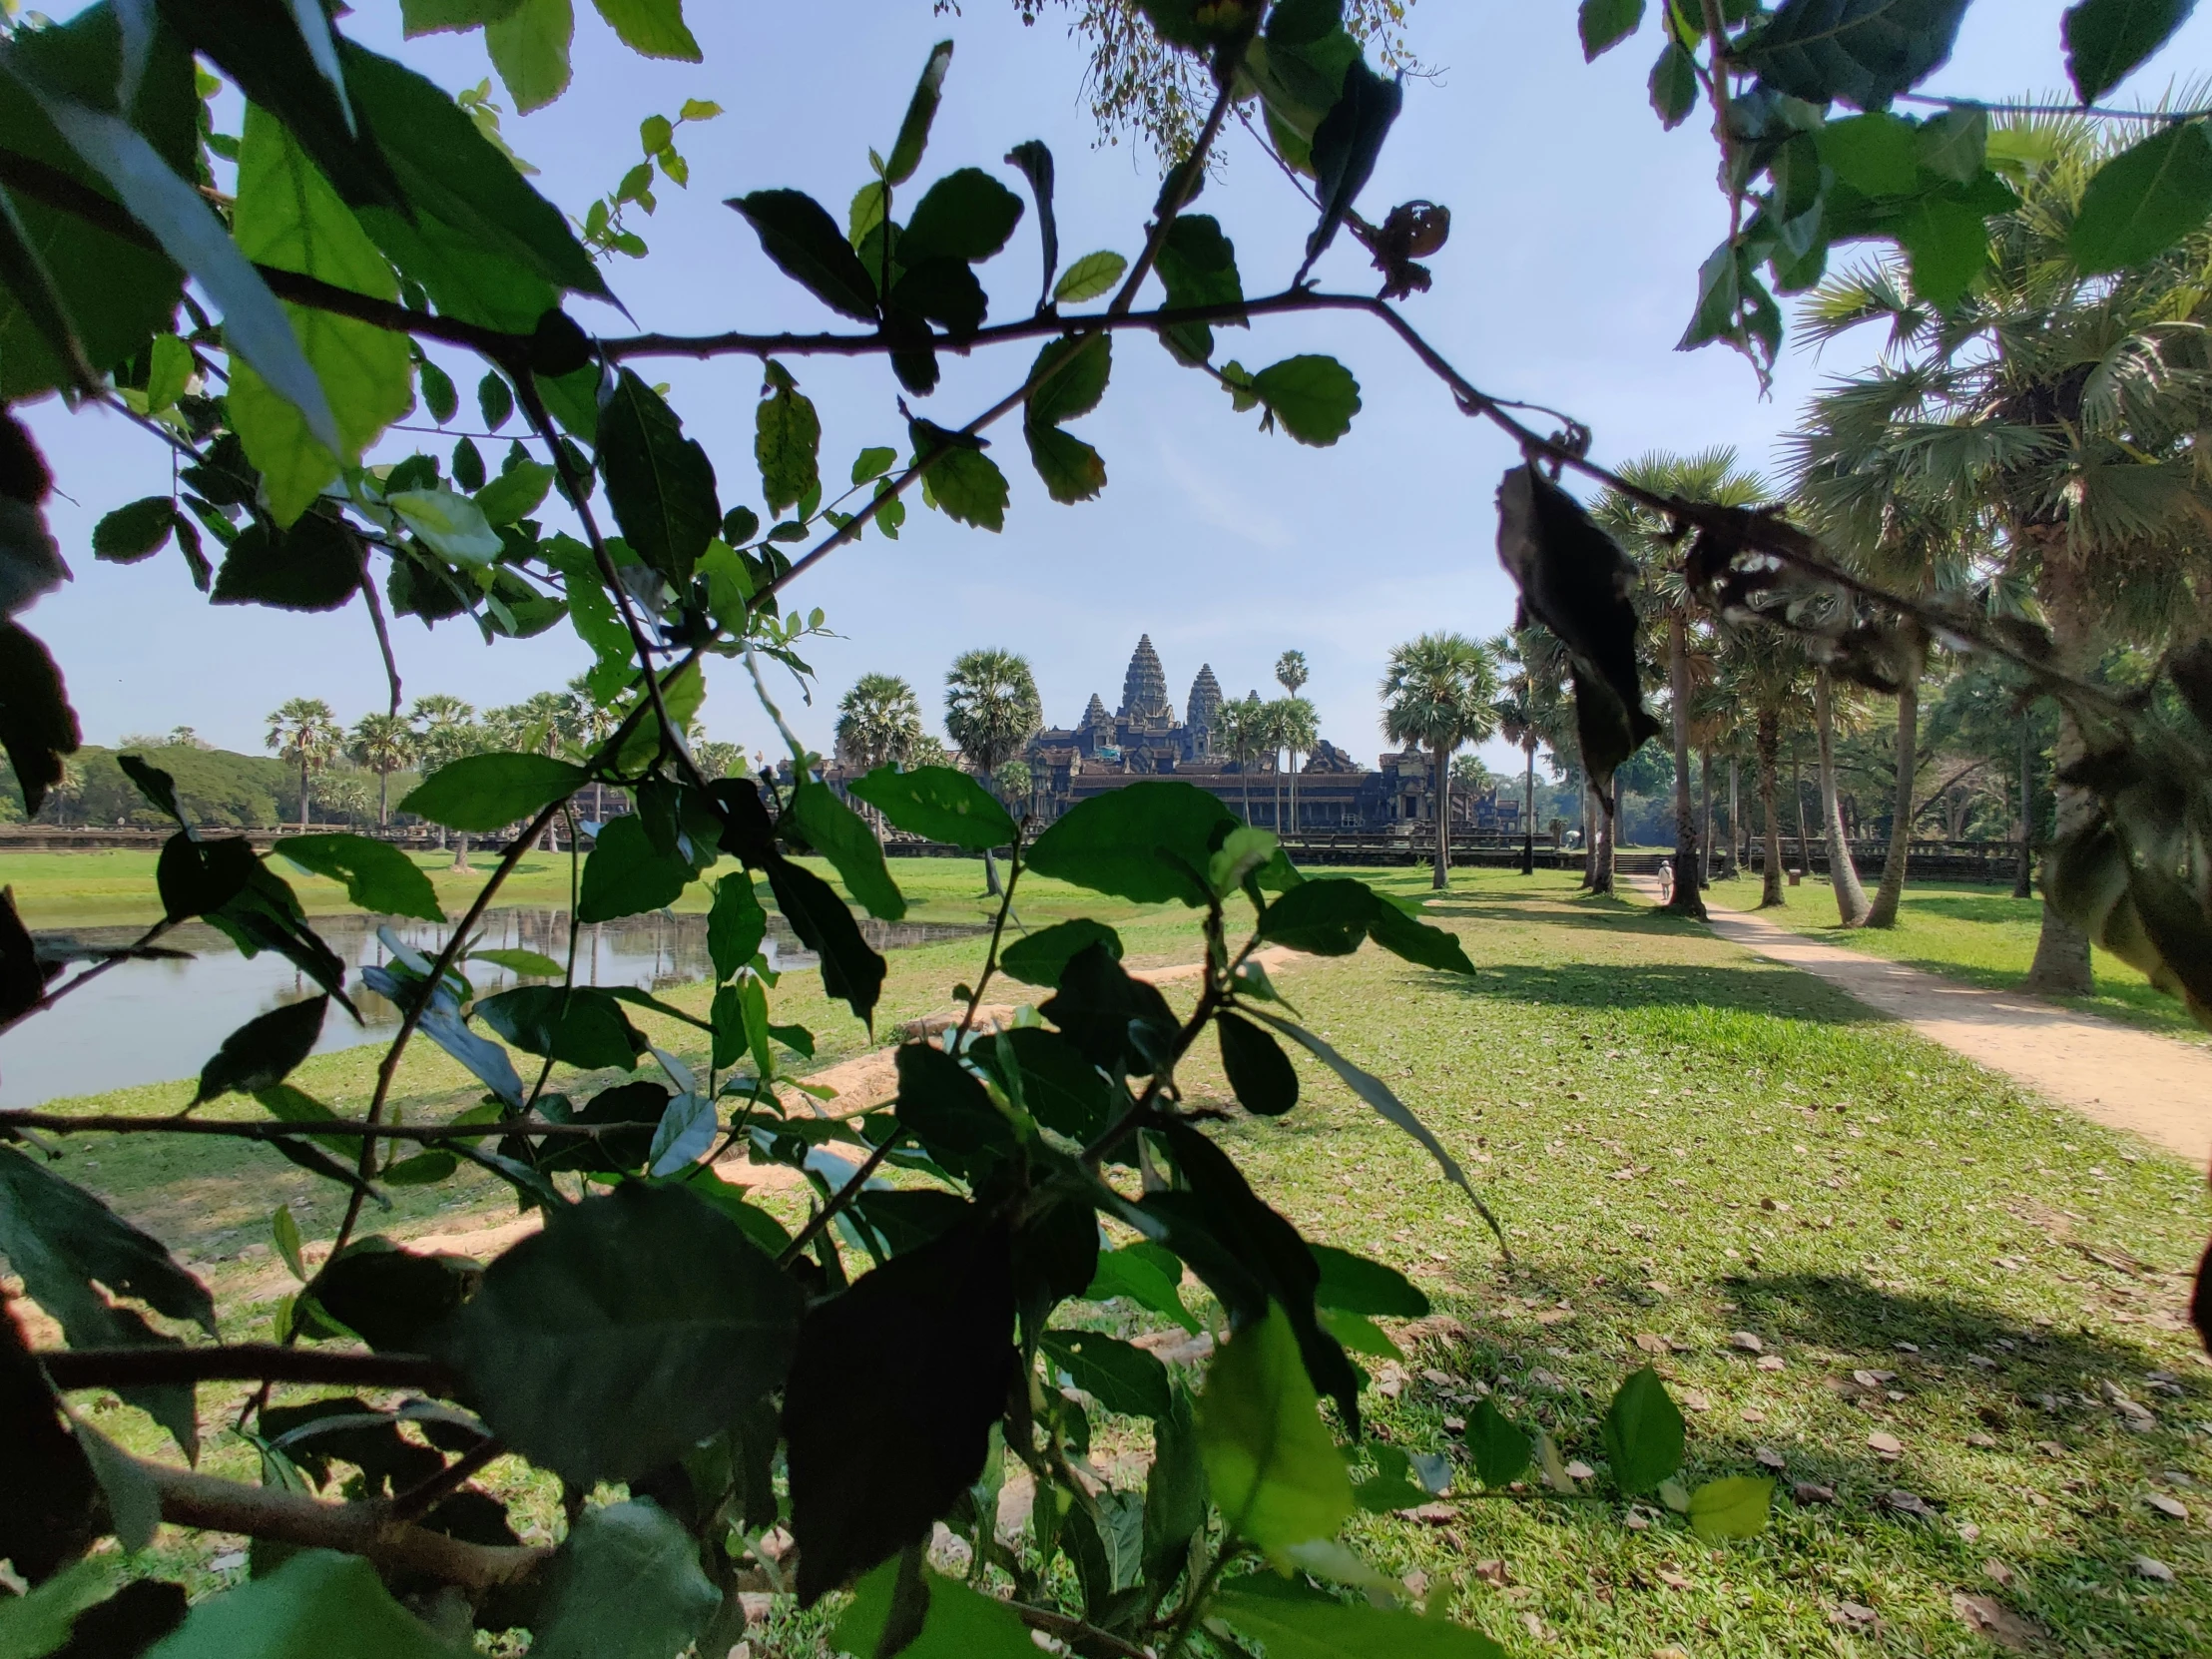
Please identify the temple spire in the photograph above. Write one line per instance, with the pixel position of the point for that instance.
(1144, 689)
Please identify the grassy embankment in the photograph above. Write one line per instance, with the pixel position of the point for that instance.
(1979, 934)
(1683, 1142)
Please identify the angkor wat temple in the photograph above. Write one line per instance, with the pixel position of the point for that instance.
(1144, 737)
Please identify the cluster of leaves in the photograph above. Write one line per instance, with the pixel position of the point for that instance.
(603, 229)
(1801, 180)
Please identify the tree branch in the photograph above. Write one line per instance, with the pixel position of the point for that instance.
(116, 1123)
(132, 1367)
(365, 1529)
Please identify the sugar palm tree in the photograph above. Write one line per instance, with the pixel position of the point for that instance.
(1533, 667)
(1240, 732)
(2066, 406)
(445, 730)
(1291, 673)
(385, 744)
(1765, 671)
(1438, 693)
(879, 722)
(585, 725)
(1710, 475)
(305, 732)
(992, 709)
(1296, 728)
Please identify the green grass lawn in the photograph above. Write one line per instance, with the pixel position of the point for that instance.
(1683, 1141)
(1980, 934)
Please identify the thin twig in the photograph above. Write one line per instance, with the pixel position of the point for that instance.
(2007, 107)
(257, 1129)
(419, 1499)
(128, 1367)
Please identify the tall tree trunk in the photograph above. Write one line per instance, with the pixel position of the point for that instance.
(1771, 891)
(2023, 878)
(1686, 901)
(460, 850)
(2062, 965)
(1528, 812)
(383, 789)
(1608, 833)
(1843, 875)
(1705, 819)
(1444, 819)
(1739, 843)
(1884, 912)
(303, 794)
(1797, 800)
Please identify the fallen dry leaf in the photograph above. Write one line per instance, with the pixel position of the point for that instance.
(1579, 1471)
(1694, 1401)
(1996, 1621)
(2149, 1566)
(1673, 1578)
(1494, 1573)
(1885, 1445)
(1908, 1504)
(1746, 1341)
(1770, 1362)
(1812, 1492)
(1651, 1344)
(1751, 1413)
(1432, 1514)
(1855, 1616)
(1998, 1572)
(2171, 1507)
(1769, 1458)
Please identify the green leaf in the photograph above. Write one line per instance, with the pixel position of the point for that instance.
(686, 1131)
(134, 1502)
(1393, 1486)
(1058, 1087)
(487, 226)
(423, 1169)
(1068, 379)
(515, 493)
(527, 962)
(681, 696)
(313, 566)
(1735, 1507)
(2107, 39)
(448, 524)
(261, 1053)
(1604, 24)
(254, 326)
(850, 968)
(967, 215)
(576, 1025)
(530, 48)
(1040, 958)
(1146, 1274)
(483, 792)
(284, 1231)
(377, 875)
(1357, 1334)
(1326, 917)
(2144, 200)
(1174, 1497)
(290, 1105)
(1261, 1075)
(1643, 1434)
(60, 1239)
(940, 803)
(1070, 469)
(1500, 1448)
(659, 482)
(944, 1108)
(1346, 144)
(1149, 843)
(37, 1622)
(625, 874)
(873, 462)
(134, 532)
(1315, 398)
(786, 441)
(625, 1584)
(1089, 278)
(1954, 144)
(1947, 243)
(1198, 267)
(319, 1602)
(955, 1621)
(1673, 86)
(117, 292)
(963, 480)
(921, 110)
(840, 835)
(651, 28)
(1857, 52)
(797, 233)
(1416, 942)
(591, 1358)
(736, 924)
(1274, 1472)
(1877, 155)
(1378, 1094)
(1122, 1378)
(1296, 1622)
(1355, 1284)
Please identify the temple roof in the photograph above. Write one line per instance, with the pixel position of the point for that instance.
(1206, 698)
(1144, 689)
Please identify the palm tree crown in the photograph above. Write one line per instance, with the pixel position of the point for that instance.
(306, 733)
(1438, 694)
(879, 722)
(991, 707)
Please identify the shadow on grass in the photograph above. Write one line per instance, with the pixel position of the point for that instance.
(1965, 906)
(1849, 1315)
(1618, 986)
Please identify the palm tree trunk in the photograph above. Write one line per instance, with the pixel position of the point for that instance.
(1294, 791)
(460, 850)
(1590, 835)
(302, 792)
(2023, 878)
(1705, 819)
(1528, 812)
(2063, 965)
(1771, 891)
(1686, 901)
(1608, 833)
(384, 794)
(1891, 892)
(1443, 877)
(1739, 845)
(1843, 875)
(1797, 798)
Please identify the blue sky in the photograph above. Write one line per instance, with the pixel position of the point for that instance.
(1578, 227)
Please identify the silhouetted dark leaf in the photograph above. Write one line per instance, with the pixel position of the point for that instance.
(1119, 1377)
(1857, 52)
(2107, 39)
(1040, 958)
(1121, 1025)
(948, 1112)
(1260, 1073)
(37, 725)
(659, 482)
(576, 1025)
(261, 1052)
(377, 875)
(797, 233)
(850, 968)
(837, 833)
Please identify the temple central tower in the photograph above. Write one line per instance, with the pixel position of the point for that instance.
(1144, 689)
